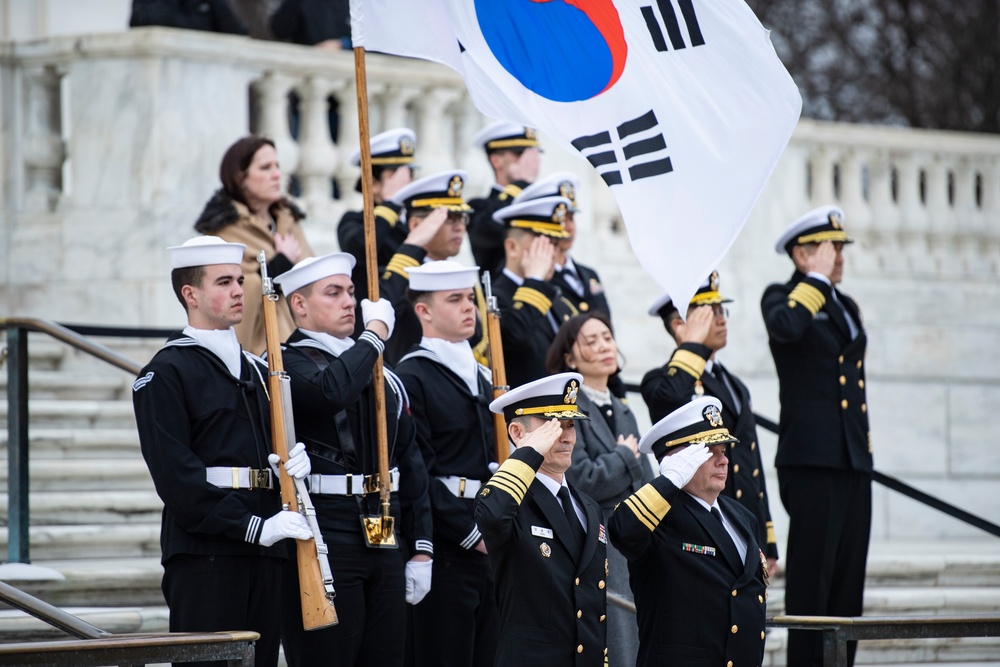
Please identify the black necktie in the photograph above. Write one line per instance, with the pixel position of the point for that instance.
(718, 515)
(574, 521)
(718, 375)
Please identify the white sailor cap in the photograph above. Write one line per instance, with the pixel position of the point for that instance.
(543, 216)
(430, 192)
(446, 274)
(503, 135)
(205, 250)
(312, 269)
(561, 184)
(707, 295)
(824, 223)
(553, 396)
(697, 422)
(389, 148)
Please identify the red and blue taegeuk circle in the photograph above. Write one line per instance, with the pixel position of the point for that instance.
(562, 50)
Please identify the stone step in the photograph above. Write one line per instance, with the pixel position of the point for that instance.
(122, 474)
(49, 508)
(74, 385)
(75, 443)
(942, 652)
(44, 353)
(77, 413)
(100, 582)
(127, 540)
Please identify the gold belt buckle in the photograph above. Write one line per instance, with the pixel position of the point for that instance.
(371, 484)
(461, 487)
(260, 479)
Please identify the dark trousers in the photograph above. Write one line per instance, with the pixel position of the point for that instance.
(458, 623)
(830, 514)
(223, 593)
(370, 606)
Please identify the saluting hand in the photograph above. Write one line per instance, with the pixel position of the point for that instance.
(422, 230)
(823, 260)
(679, 468)
(542, 438)
(538, 261)
(697, 326)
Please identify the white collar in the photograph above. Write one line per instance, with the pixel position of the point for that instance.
(456, 357)
(518, 280)
(222, 343)
(552, 485)
(336, 346)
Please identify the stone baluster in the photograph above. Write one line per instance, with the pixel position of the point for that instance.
(394, 101)
(991, 212)
(349, 140)
(941, 231)
(317, 152)
(821, 161)
(273, 89)
(968, 218)
(884, 212)
(434, 134)
(43, 147)
(864, 256)
(913, 223)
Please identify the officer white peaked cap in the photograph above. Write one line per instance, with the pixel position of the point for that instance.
(446, 274)
(560, 184)
(542, 216)
(654, 308)
(548, 397)
(707, 295)
(442, 189)
(204, 251)
(502, 134)
(823, 223)
(395, 146)
(699, 421)
(312, 269)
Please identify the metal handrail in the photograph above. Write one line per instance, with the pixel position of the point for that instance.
(73, 339)
(51, 614)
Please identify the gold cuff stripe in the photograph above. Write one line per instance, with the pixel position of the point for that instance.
(819, 237)
(399, 159)
(808, 296)
(533, 297)
(512, 143)
(388, 214)
(772, 538)
(504, 485)
(653, 501)
(399, 263)
(640, 513)
(514, 477)
(706, 437)
(689, 362)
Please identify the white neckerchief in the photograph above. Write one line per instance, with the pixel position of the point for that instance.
(222, 343)
(458, 358)
(336, 346)
(741, 544)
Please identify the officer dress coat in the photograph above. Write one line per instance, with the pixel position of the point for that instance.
(667, 388)
(486, 235)
(552, 603)
(697, 603)
(530, 313)
(593, 297)
(390, 232)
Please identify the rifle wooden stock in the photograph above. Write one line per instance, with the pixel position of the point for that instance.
(500, 444)
(315, 581)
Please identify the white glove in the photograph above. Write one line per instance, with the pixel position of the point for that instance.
(284, 524)
(418, 580)
(298, 464)
(380, 310)
(682, 466)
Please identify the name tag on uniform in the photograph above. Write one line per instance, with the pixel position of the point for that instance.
(698, 549)
(822, 316)
(539, 531)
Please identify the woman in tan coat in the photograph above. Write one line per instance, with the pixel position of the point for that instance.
(250, 208)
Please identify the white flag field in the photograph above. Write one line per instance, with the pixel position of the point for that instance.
(681, 106)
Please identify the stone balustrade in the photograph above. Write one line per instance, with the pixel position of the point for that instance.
(110, 145)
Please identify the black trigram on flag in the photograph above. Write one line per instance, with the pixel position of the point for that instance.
(669, 17)
(633, 141)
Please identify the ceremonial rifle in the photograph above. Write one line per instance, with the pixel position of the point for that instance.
(315, 577)
(497, 365)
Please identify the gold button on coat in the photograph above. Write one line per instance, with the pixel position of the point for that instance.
(579, 613)
(734, 592)
(736, 467)
(843, 404)
(600, 584)
(861, 384)
(578, 581)
(843, 380)
(579, 649)
(739, 493)
(864, 407)
(734, 629)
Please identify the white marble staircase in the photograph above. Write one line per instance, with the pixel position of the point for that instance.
(95, 519)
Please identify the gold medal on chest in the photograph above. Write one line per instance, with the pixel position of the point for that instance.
(545, 549)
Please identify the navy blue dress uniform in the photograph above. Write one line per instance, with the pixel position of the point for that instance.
(485, 235)
(333, 408)
(698, 602)
(457, 623)
(200, 420)
(389, 150)
(552, 592)
(690, 373)
(580, 284)
(531, 310)
(441, 189)
(824, 457)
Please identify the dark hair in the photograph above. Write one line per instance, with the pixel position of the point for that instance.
(235, 163)
(417, 296)
(568, 334)
(668, 315)
(188, 275)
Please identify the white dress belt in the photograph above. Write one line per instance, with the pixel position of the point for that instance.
(462, 487)
(349, 485)
(238, 478)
